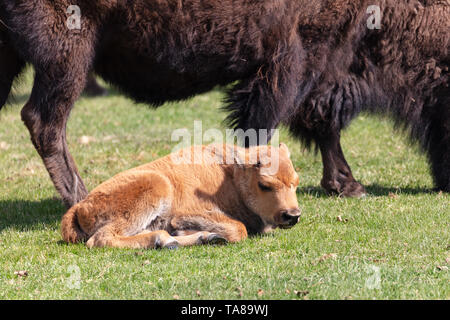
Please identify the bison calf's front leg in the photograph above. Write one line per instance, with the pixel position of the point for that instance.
(108, 237)
(193, 237)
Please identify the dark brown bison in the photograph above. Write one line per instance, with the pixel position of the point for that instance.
(310, 64)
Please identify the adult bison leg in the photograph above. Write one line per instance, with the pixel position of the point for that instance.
(10, 67)
(439, 143)
(45, 116)
(337, 175)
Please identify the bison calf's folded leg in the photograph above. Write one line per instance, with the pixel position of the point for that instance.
(107, 237)
(212, 228)
(192, 238)
(45, 116)
(337, 175)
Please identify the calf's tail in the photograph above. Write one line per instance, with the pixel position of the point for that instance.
(70, 228)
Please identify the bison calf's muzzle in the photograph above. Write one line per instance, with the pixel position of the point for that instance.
(290, 218)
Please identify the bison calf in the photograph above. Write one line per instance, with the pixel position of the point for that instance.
(168, 204)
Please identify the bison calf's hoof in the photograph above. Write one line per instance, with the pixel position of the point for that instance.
(171, 245)
(212, 239)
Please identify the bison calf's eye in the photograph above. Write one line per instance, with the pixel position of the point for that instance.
(264, 187)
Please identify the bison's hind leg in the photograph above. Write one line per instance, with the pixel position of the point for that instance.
(107, 237)
(337, 175)
(11, 66)
(125, 214)
(438, 143)
(194, 237)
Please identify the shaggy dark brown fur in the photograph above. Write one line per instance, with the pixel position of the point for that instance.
(310, 64)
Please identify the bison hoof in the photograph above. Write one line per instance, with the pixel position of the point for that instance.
(213, 239)
(348, 189)
(172, 245)
(169, 243)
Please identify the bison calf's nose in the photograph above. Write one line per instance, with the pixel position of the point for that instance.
(290, 217)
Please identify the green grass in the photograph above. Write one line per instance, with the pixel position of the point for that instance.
(399, 232)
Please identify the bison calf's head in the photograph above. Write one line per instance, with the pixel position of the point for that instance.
(267, 182)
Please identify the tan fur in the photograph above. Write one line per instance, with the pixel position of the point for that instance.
(166, 204)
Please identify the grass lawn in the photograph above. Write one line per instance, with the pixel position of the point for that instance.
(393, 244)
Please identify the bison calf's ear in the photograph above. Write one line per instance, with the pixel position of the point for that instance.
(285, 149)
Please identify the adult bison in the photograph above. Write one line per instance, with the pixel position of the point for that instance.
(310, 64)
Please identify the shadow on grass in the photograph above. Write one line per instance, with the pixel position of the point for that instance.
(379, 191)
(23, 215)
(374, 190)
